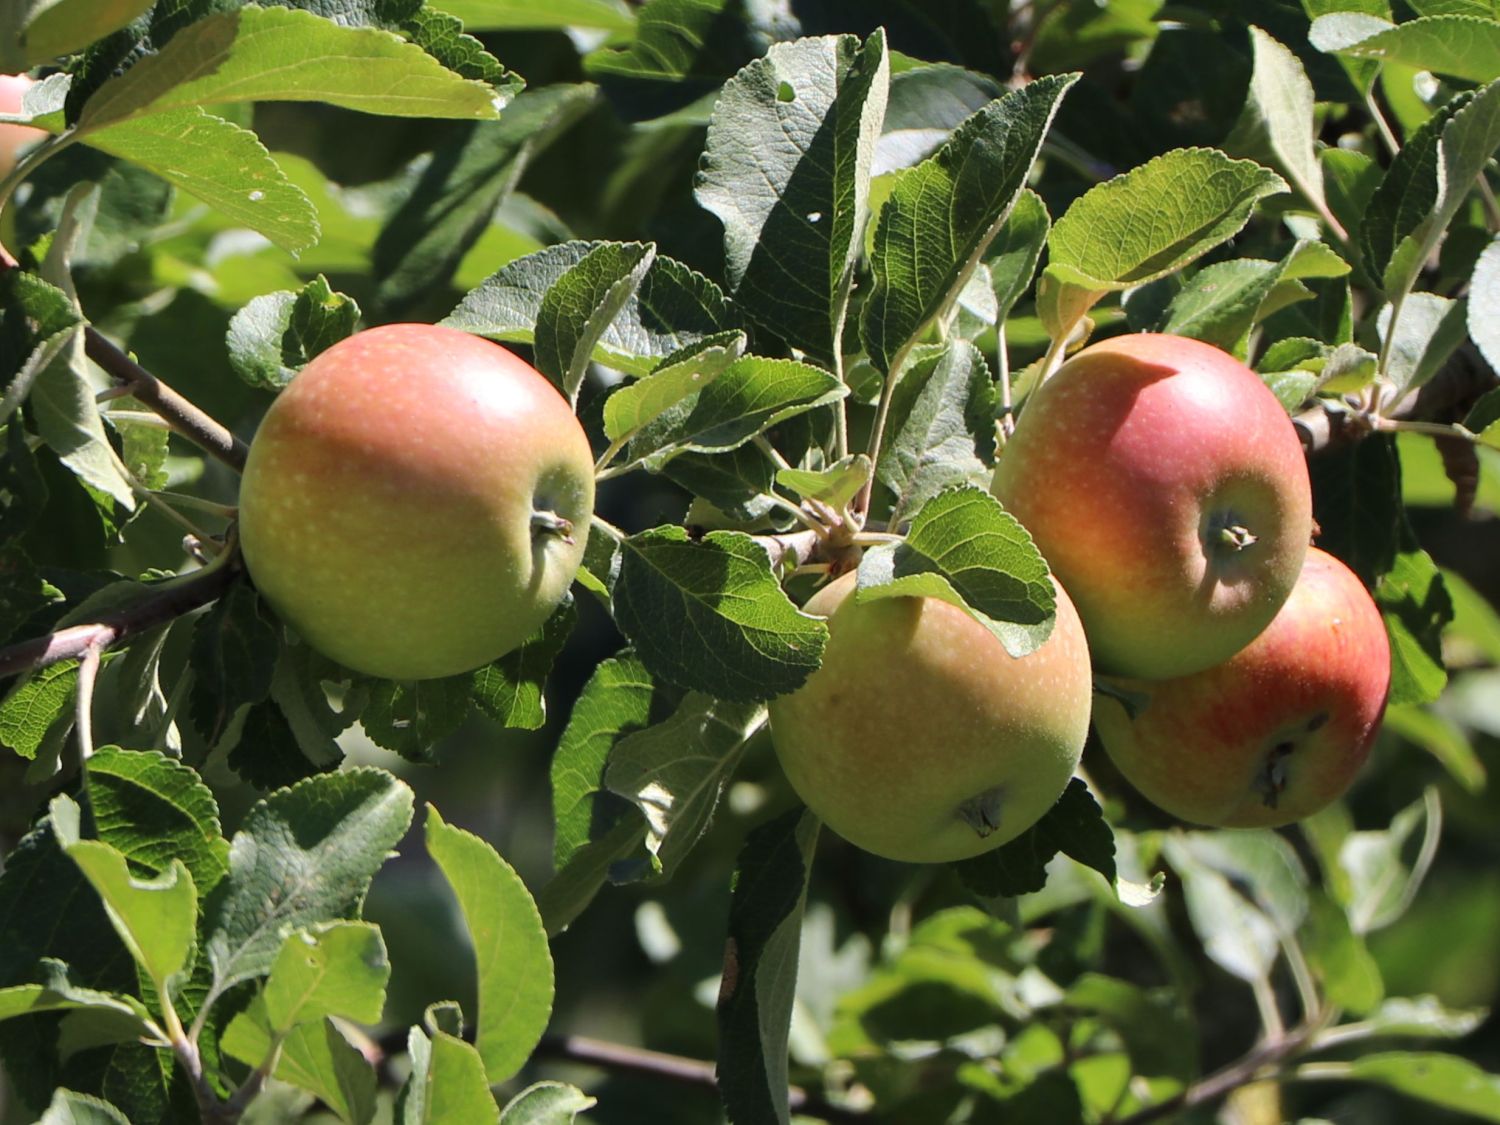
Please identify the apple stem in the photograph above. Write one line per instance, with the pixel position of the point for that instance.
(981, 812)
(1236, 537)
(544, 522)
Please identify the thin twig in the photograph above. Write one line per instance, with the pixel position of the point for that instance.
(675, 1068)
(1450, 392)
(1224, 1081)
(164, 603)
(186, 419)
(83, 725)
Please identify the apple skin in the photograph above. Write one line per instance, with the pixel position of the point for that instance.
(1278, 730)
(386, 507)
(918, 709)
(13, 138)
(1127, 466)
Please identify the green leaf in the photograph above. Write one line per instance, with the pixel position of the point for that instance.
(927, 102)
(1484, 419)
(749, 396)
(964, 548)
(675, 40)
(277, 334)
(59, 993)
(681, 374)
(673, 308)
(1276, 126)
(942, 214)
(580, 305)
(1441, 737)
(1382, 882)
(1349, 975)
(1196, 198)
(1484, 321)
(546, 1103)
(1462, 46)
(424, 240)
(568, 893)
(675, 771)
(1159, 1035)
(1416, 608)
(1426, 184)
(447, 1084)
(507, 15)
(1236, 935)
(1223, 301)
(1427, 331)
(510, 947)
(411, 716)
(1260, 862)
(1075, 826)
(617, 700)
(68, 1108)
(1013, 255)
(941, 426)
(1442, 1080)
(156, 918)
(284, 54)
(786, 168)
(1422, 1017)
(334, 969)
(234, 652)
(303, 855)
(709, 615)
(274, 751)
(50, 29)
(760, 967)
(314, 1056)
(1357, 505)
(35, 704)
(835, 486)
(218, 162)
(510, 690)
(62, 397)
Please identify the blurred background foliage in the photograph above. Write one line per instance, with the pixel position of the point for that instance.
(909, 989)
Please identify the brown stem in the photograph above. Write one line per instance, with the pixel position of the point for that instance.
(186, 419)
(168, 601)
(1445, 397)
(1214, 1086)
(675, 1068)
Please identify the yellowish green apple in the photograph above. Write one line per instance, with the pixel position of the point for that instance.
(416, 501)
(920, 738)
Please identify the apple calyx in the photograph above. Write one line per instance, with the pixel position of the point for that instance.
(1237, 537)
(981, 812)
(1271, 781)
(544, 522)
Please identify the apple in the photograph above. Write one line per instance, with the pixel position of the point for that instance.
(1275, 732)
(920, 738)
(416, 501)
(13, 138)
(1167, 489)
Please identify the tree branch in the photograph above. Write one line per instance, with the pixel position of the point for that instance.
(675, 1068)
(186, 419)
(1447, 396)
(1223, 1081)
(164, 603)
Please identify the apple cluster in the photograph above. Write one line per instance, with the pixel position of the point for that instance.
(1245, 672)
